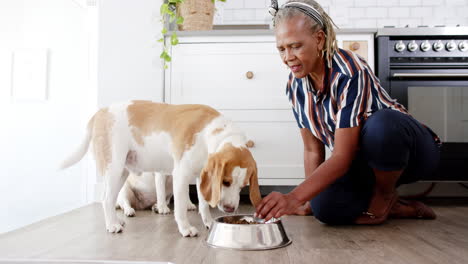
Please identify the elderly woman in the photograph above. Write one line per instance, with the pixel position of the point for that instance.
(338, 102)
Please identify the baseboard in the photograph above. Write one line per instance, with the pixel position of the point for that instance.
(441, 189)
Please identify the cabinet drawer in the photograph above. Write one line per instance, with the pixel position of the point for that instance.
(228, 76)
(278, 146)
(362, 44)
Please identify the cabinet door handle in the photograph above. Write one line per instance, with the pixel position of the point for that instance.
(249, 75)
(355, 46)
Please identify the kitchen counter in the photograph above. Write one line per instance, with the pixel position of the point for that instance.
(260, 32)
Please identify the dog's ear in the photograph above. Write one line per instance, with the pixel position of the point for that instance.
(254, 189)
(210, 180)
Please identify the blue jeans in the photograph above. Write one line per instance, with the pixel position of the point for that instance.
(389, 141)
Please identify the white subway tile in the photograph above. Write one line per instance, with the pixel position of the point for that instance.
(462, 12)
(433, 21)
(455, 2)
(452, 22)
(410, 2)
(356, 12)
(387, 22)
(396, 12)
(326, 2)
(219, 14)
(243, 14)
(253, 4)
(444, 11)
(421, 11)
(366, 23)
(365, 3)
(262, 14)
(345, 3)
(388, 2)
(376, 12)
(228, 15)
(233, 4)
(411, 22)
(342, 22)
(432, 2)
(336, 12)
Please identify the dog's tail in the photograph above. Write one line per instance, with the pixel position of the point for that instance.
(81, 150)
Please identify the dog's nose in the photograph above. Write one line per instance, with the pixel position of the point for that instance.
(228, 209)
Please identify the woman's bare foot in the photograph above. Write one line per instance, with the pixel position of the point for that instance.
(304, 209)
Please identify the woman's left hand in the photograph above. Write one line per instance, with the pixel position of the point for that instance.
(277, 204)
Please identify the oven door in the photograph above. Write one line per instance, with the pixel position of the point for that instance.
(438, 97)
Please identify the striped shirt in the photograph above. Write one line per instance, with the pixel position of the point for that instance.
(351, 94)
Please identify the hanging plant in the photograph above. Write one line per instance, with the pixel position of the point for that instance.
(169, 15)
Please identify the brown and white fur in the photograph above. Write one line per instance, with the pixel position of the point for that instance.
(190, 142)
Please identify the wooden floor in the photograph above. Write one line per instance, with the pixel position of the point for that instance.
(81, 235)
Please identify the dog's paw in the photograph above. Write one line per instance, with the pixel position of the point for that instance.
(115, 228)
(208, 222)
(189, 231)
(161, 209)
(191, 207)
(130, 212)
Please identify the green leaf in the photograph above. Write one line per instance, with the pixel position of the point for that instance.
(164, 9)
(174, 39)
(161, 40)
(164, 31)
(165, 66)
(180, 20)
(167, 58)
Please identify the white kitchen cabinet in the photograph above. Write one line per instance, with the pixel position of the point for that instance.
(244, 78)
(362, 44)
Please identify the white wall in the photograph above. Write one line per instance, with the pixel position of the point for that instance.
(357, 13)
(36, 134)
(129, 66)
(129, 63)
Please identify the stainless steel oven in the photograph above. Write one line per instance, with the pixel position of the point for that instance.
(426, 69)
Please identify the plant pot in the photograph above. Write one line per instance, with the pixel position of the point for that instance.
(197, 14)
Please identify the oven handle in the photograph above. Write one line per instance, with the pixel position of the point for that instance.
(429, 75)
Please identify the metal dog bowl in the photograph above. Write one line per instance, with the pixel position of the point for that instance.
(258, 236)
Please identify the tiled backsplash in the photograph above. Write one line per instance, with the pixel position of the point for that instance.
(356, 13)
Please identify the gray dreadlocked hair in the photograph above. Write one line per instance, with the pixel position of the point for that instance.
(320, 21)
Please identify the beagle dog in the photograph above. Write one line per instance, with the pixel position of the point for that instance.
(148, 190)
(190, 142)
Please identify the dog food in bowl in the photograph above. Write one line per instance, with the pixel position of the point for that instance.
(238, 221)
(244, 232)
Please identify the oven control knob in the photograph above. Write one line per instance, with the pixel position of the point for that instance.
(451, 45)
(425, 46)
(438, 46)
(463, 46)
(412, 46)
(400, 46)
